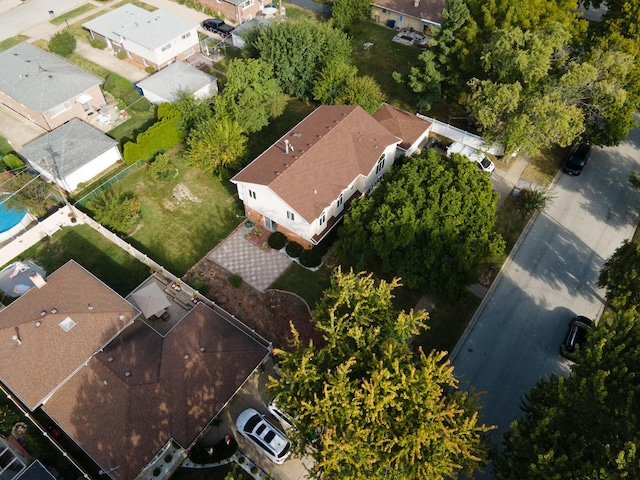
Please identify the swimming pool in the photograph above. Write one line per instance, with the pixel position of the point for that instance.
(12, 220)
(10, 217)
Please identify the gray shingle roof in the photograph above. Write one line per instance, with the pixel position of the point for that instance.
(149, 29)
(40, 80)
(178, 76)
(68, 147)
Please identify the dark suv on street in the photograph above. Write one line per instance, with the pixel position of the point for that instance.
(577, 160)
(579, 328)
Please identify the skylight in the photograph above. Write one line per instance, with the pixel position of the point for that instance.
(67, 324)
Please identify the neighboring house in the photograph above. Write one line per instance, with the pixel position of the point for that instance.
(72, 154)
(152, 39)
(163, 86)
(235, 11)
(132, 399)
(45, 89)
(303, 184)
(413, 130)
(420, 15)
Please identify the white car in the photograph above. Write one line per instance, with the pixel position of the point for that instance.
(271, 441)
(283, 417)
(476, 156)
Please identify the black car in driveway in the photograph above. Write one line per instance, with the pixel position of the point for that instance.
(218, 26)
(579, 327)
(577, 160)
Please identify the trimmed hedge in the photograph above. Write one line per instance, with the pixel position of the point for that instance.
(277, 240)
(294, 249)
(311, 258)
(13, 162)
(159, 137)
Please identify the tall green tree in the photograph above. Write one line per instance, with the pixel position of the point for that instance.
(344, 13)
(361, 90)
(620, 275)
(430, 222)
(385, 411)
(299, 52)
(218, 146)
(30, 193)
(251, 96)
(116, 209)
(587, 425)
(189, 111)
(332, 81)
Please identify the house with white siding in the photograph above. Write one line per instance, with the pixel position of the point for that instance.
(303, 184)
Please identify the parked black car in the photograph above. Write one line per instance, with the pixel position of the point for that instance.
(577, 160)
(218, 26)
(576, 335)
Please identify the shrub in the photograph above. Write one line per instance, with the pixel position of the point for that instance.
(116, 210)
(277, 240)
(13, 162)
(8, 418)
(294, 249)
(62, 43)
(161, 136)
(96, 43)
(161, 168)
(201, 286)
(124, 90)
(532, 200)
(149, 69)
(311, 258)
(235, 280)
(121, 56)
(254, 469)
(216, 453)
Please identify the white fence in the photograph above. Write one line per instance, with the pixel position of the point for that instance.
(461, 136)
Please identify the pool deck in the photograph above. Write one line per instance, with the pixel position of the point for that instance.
(37, 232)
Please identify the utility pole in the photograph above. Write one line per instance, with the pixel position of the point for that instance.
(53, 171)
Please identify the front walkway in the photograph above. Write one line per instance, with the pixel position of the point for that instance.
(258, 267)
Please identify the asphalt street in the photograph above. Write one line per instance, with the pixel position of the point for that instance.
(514, 338)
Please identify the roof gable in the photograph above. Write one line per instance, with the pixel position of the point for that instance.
(44, 354)
(331, 147)
(68, 147)
(40, 80)
(151, 30)
(174, 78)
(143, 390)
(402, 124)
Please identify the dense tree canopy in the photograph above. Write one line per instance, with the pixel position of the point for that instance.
(385, 411)
(299, 52)
(116, 209)
(251, 95)
(430, 222)
(621, 277)
(218, 146)
(586, 426)
(29, 193)
(344, 13)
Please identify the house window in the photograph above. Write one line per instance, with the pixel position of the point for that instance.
(291, 216)
(186, 35)
(322, 219)
(340, 201)
(380, 164)
(166, 47)
(252, 194)
(246, 4)
(63, 107)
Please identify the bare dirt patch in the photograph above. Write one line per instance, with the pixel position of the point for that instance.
(268, 313)
(181, 193)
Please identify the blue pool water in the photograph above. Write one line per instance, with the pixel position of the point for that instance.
(9, 218)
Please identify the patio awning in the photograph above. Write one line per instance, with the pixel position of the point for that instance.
(151, 300)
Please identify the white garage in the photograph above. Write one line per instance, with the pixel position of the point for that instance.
(72, 154)
(163, 86)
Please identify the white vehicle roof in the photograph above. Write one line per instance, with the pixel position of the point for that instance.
(471, 153)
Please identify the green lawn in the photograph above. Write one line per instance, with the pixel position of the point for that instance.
(178, 234)
(382, 59)
(309, 285)
(129, 130)
(60, 19)
(10, 42)
(105, 260)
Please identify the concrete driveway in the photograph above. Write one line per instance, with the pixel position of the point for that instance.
(514, 338)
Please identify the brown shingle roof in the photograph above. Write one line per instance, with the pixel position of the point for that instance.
(332, 146)
(156, 389)
(427, 9)
(48, 354)
(402, 124)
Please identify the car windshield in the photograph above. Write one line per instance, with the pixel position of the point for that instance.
(485, 162)
(251, 423)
